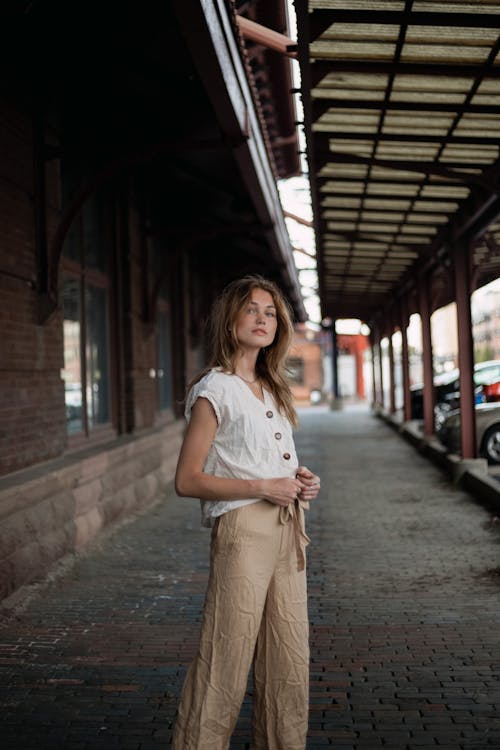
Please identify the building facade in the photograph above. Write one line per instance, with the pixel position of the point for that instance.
(135, 182)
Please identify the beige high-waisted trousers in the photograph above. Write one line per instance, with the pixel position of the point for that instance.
(255, 611)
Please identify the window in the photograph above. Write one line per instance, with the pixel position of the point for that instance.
(85, 303)
(96, 355)
(72, 355)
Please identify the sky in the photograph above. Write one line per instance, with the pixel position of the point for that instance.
(296, 199)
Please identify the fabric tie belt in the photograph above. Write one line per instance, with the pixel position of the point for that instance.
(294, 513)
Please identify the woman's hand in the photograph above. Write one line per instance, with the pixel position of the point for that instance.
(311, 482)
(282, 491)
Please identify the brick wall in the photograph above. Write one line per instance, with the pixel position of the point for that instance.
(56, 509)
(31, 391)
(53, 502)
(311, 354)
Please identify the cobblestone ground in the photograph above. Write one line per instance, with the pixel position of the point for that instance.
(404, 609)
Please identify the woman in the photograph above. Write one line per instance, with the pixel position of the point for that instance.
(239, 458)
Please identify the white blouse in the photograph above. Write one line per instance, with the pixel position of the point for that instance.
(253, 440)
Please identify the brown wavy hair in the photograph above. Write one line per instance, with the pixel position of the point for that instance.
(270, 366)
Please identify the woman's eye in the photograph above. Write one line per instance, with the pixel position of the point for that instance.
(271, 314)
(252, 310)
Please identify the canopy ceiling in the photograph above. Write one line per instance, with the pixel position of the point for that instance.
(402, 118)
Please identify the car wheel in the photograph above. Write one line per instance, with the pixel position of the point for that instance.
(491, 444)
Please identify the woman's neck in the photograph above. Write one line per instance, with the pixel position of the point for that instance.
(244, 365)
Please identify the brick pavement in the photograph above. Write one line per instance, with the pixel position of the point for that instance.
(404, 609)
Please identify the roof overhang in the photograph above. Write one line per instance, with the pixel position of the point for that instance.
(211, 39)
(402, 115)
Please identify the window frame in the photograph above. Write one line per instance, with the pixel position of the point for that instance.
(85, 276)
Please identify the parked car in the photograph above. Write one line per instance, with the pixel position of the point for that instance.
(487, 431)
(491, 391)
(447, 388)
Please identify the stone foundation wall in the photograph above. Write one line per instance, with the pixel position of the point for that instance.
(56, 508)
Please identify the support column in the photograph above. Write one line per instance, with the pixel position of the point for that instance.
(405, 359)
(336, 401)
(335, 363)
(425, 315)
(374, 381)
(381, 372)
(360, 383)
(392, 381)
(465, 351)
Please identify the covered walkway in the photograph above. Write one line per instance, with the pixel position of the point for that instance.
(404, 608)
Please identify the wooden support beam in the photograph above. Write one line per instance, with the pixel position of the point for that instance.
(321, 19)
(405, 137)
(324, 101)
(298, 219)
(321, 68)
(268, 38)
(325, 157)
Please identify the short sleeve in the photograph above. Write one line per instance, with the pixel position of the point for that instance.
(205, 388)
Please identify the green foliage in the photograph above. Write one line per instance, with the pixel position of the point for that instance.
(483, 353)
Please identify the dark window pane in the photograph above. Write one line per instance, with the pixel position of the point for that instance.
(72, 247)
(97, 359)
(94, 233)
(164, 362)
(73, 242)
(72, 359)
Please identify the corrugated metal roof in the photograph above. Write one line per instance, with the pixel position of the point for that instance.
(402, 103)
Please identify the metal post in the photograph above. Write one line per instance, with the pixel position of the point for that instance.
(465, 351)
(336, 401)
(374, 381)
(360, 383)
(392, 383)
(380, 369)
(425, 315)
(335, 363)
(405, 363)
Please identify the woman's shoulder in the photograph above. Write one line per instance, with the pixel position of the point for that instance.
(215, 382)
(216, 386)
(214, 378)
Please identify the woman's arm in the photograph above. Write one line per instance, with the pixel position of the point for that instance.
(192, 481)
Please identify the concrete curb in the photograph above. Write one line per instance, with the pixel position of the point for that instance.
(469, 474)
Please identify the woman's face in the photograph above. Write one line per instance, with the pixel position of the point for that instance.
(257, 322)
